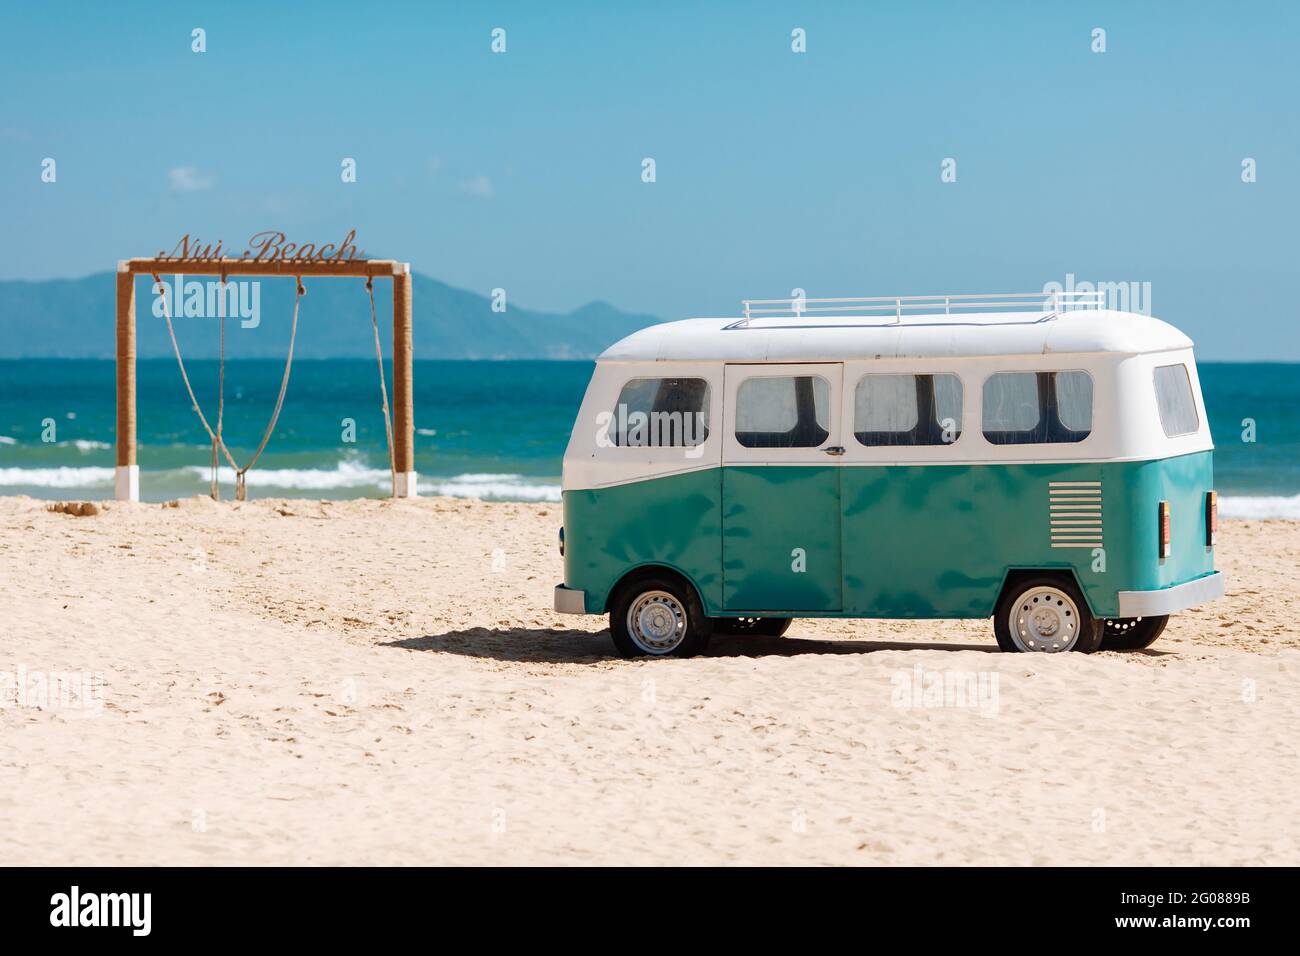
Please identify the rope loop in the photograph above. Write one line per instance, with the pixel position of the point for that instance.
(171, 332)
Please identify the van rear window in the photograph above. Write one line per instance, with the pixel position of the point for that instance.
(907, 409)
(783, 411)
(661, 412)
(1035, 408)
(1176, 402)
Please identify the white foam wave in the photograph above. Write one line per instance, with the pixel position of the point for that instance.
(84, 445)
(1263, 506)
(490, 488)
(346, 474)
(349, 474)
(55, 477)
(6, 440)
(474, 477)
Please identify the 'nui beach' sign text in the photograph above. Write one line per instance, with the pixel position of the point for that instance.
(268, 246)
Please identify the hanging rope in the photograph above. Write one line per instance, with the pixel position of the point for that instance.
(221, 389)
(279, 402)
(217, 441)
(167, 314)
(383, 386)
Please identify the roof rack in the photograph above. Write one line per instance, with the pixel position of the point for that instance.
(929, 304)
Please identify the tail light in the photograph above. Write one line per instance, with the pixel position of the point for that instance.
(1211, 518)
(1165, 548)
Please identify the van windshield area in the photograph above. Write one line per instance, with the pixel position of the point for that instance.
(661, 413)
(1036, 408)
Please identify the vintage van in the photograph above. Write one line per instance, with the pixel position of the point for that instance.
(1040, 460)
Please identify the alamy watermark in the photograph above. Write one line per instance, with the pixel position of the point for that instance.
(128, 910)
(1120, 296)
(637, 429)
(237, 299)
(920, 688)
(75, 693)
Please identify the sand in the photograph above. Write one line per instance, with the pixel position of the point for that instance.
(377, 682)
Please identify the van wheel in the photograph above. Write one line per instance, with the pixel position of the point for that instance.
(1132, 633)
(1045, 613)
(767, 626)
(658, 616)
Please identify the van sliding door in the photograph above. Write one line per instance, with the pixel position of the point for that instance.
(781, 487)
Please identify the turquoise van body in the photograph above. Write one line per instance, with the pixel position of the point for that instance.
(927, 541)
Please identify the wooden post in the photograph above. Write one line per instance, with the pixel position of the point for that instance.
(126, 483)
(403, 416)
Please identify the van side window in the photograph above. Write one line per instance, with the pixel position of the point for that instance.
(1074, 402)
(1177, 405)
(661, 412)
(783, 411)
(1034, 408)
(907, 409)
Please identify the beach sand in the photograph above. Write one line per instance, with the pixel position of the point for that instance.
(384, 682)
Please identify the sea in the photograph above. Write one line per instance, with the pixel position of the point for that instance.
(489, 430)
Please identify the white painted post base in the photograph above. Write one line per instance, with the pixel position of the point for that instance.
(406, 485)
(126, 483)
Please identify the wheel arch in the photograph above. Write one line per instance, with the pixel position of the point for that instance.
(650, 570)
(1013, 576)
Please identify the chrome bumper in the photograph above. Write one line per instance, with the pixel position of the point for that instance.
(569, 600)
(1167, 600)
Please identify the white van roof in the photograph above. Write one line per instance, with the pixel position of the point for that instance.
(823, 338)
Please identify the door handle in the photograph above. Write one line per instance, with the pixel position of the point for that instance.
(836, 450)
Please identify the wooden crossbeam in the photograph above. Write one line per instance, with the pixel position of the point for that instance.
(266, 267)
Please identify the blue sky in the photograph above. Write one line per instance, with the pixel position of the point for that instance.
(774, 169)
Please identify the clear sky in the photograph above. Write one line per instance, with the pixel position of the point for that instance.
(774, 169)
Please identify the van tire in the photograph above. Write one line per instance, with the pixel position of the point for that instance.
(644, 611)
(766, 626)
(1132, 633)
(1060, 595)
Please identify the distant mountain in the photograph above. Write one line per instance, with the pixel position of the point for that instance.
(73, 318)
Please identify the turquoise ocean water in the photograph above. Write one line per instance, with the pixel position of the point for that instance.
(493, 430)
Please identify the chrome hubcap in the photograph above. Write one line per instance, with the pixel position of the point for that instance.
(656, 622)
(1044, 619)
